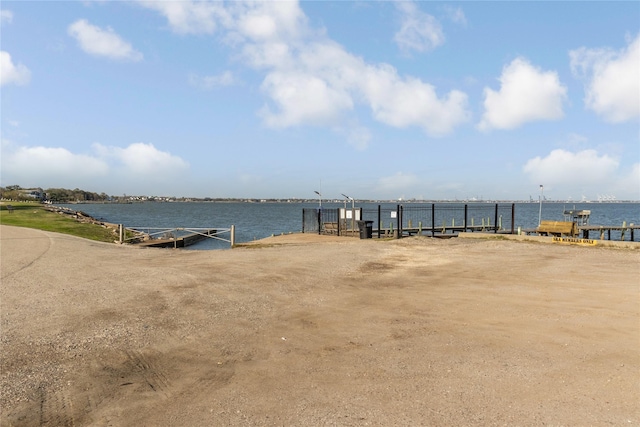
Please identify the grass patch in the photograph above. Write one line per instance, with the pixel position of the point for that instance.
(35, 215)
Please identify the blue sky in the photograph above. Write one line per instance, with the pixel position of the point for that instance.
(374, 99)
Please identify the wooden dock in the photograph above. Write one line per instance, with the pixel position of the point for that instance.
(602, 231)
(444, 231)
(586, 230)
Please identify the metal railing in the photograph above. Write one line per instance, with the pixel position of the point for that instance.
(162, 234)
(432, 218)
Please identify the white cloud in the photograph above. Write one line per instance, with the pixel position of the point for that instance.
(11, 73)
(398, 183)
(419, 31)
(96, 41)
(574, 172)
(210, 82)
(303, 98)
(613, 80)
(40, 165)
(630, 183)
(312, 80)
(140, 159)
(410, 102)
(359, 137)
(6, 16)
(189, 17)
(269, 21)
(138, 167)
(526, 94)
(456, 14)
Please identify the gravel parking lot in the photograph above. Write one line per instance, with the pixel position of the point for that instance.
(315, 330)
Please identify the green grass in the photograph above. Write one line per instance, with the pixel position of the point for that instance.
(34, 215)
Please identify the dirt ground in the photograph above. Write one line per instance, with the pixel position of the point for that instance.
(311, 330)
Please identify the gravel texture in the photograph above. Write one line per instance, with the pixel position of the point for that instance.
(313, 330)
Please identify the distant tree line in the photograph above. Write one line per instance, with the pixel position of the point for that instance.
(55, 195)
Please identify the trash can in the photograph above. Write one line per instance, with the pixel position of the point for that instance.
(366, 229)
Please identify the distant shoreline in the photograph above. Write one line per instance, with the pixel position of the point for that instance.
(334, 201)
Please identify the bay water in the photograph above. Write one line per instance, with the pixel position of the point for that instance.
(259, 220)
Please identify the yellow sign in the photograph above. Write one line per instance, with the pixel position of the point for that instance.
(575, 241)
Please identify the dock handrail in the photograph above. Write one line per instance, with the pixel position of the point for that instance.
(151, 233)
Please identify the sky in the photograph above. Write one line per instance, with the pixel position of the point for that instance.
(280, 99)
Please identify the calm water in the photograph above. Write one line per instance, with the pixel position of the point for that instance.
(259, 220)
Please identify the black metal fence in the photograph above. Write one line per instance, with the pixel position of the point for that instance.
(427, 219)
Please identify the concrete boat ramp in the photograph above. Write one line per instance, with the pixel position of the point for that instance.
(179, 241)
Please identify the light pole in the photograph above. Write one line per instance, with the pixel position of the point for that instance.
(353, 208)
(540, 211)
(319, 199)
(349, 198)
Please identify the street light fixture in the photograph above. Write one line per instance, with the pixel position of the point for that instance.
(319, 199)
(349, 198)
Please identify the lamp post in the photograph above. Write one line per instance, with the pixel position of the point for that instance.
(319, 199)
(353, 208)
(540, 210)
(349, 198)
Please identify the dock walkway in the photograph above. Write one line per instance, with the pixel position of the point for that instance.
(603, 230)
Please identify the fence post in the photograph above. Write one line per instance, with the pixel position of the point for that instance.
(379, 222)
(496, 219)
(233, 236)
(121, 233)
(319, 221)
(433, 220)
(465, 217)
(400, 209)
(513, 217)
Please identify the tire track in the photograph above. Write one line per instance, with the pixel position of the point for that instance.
(18, 253)
(55, 408)
(145, 372)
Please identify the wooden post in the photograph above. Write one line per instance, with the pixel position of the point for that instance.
(601, 233)
(233, 236)
(631, 230)
(121, 233)
(496, 219)
(624, 227)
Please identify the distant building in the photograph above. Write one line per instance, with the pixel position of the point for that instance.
(33, 193)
